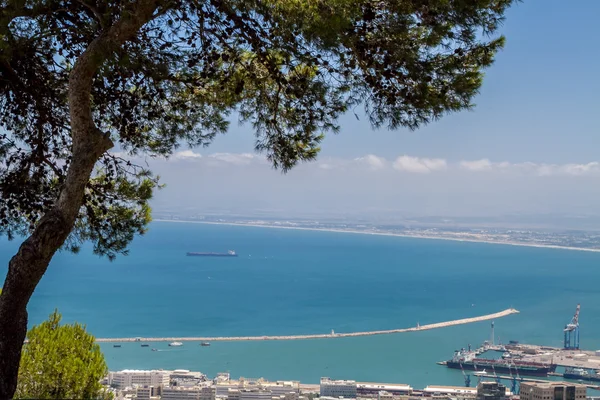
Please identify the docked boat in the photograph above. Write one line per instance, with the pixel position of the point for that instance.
(581, 374)
(230, 253)
(467, 361)
(205, 344)
(175, 344)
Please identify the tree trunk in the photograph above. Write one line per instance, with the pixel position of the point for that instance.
(27, 267)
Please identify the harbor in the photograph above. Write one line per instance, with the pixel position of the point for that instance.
(519, 360)
(331, 335)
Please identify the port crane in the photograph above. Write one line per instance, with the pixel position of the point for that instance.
(467, 377)
(571, 332)
(516, 379)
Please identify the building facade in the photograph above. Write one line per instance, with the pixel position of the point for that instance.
(132, 377)
(188, 393)
(337, 388)
(491, 391)
(552, 391)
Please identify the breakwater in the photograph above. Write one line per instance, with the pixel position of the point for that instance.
(317, 336)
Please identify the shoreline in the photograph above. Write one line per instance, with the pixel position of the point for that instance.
(391, 234)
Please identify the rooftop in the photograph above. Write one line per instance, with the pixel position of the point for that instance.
(383, 386)
(337, 382)
(548, 385)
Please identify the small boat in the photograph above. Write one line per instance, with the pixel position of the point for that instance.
(175, 344)
(154, 349)
(145, 345)
(117, 345)
(205, 344)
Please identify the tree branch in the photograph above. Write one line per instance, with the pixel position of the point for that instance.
(95, 11)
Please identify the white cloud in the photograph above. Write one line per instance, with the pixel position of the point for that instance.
(236, 158)
(379, 165)
(326, 166)
(419, 165)
(372, 161)
(581, 169)
(186, 154)
(478, 165)
(531, 168)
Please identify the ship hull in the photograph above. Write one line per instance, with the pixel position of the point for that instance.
(591, 378)
(211, 255)
(502, 369)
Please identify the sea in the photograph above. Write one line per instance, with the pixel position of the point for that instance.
(290, 282)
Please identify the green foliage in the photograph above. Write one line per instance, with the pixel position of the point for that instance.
(287, 68)
(61, 362)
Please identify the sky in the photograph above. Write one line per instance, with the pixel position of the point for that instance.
(529, 146)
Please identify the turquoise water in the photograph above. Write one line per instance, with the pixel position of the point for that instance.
(295, 282)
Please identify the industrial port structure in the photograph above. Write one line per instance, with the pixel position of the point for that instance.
(533, 360)
(572, 332)
(317, 336)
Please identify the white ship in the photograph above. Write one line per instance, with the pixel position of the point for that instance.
(175, 344)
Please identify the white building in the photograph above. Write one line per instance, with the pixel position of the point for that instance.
(183, 377)
(383, 395)
(133, 377)
(371, 389)
(281, 388)
(144, 393)
(276, 389)
(337, 388)
(255, 394)
(188, 393)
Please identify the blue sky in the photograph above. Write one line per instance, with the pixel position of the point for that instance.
(538, 102)
(529, 146)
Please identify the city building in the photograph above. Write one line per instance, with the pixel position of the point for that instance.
(183, 377)
(332, 398)
(370, 389)
(133, 377)
(383, 395)
(233, 394)
(188, 393)
(144, 393)
(337, 388)
(552, 391)
(287, 396)
(491, 391)
(255, 394)
(279, 388)
(454, 392)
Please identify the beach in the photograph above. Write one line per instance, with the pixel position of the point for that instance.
(391, 234)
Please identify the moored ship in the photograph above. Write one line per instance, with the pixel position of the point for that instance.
(581, 374)
(230, 253)
(467, 361)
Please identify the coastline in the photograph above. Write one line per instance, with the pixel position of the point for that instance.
(354, 231)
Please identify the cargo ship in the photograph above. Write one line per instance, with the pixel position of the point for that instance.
(581, 374)
(230, 253)
(468, 361)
